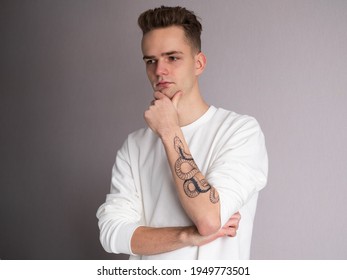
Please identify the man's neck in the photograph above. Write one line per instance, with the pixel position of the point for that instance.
(189, 110)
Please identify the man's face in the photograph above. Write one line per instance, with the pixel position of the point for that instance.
(170, 61)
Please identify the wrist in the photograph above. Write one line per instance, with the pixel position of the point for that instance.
(190, 236)
(187, 236)
(167, 135)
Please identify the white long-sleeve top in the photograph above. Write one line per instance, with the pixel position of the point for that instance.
(229, 150)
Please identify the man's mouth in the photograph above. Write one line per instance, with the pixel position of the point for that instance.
(162, 85)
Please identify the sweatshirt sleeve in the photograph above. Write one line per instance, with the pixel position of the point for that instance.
(240, 167)
(121, 213)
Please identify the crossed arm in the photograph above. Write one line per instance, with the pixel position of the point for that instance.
(199, 200)
(151, 241)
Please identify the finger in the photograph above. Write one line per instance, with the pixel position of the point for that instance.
(228, 232)
(231, 232)
(237, 215)
(232, 222)
(176, 98)
(158, 95)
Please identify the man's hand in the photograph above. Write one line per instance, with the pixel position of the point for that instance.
(229, 229)
(162, 115)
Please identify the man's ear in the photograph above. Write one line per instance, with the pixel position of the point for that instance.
(200, 63)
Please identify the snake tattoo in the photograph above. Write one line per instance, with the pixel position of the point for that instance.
(192, 185)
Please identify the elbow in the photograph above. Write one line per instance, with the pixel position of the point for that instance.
(208, 226)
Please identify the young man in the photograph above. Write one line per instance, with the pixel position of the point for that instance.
(179, 185)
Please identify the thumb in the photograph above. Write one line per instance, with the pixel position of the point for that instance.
(176, 98)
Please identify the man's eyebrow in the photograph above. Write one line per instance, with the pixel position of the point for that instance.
(148, 57)
(163, 54)
(171, 53)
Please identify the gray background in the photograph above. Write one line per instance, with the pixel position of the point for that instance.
(73, 85)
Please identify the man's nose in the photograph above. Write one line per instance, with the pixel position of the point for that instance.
(161, 69)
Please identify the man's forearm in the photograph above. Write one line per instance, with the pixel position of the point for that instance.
(152, 241)
(199, 199)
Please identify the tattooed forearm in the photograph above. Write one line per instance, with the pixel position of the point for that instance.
(187, 170)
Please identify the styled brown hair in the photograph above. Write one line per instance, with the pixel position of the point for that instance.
(170, 16)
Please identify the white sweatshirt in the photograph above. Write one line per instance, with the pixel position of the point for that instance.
(229, 150)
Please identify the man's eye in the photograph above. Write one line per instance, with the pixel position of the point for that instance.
(150, 61)
(173, 58)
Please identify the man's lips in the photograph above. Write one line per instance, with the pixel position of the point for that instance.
(163, 84)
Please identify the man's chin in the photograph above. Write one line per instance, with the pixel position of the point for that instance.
(169, 93)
